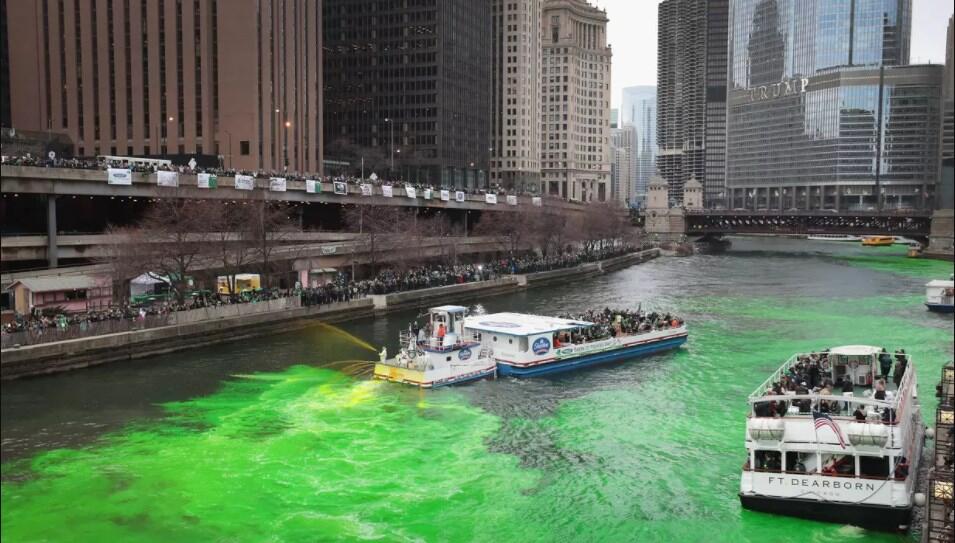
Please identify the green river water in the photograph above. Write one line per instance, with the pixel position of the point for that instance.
(276, 439)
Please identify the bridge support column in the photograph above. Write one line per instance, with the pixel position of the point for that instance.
(51, 245)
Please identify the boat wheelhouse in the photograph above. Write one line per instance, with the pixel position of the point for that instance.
(940, 296)
(438, 354)
(848, 453)
(533, 345)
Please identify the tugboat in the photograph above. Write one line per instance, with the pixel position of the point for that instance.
(440, 354)
(878, 241)
(940, 295)
(830, 438)
(534, 345)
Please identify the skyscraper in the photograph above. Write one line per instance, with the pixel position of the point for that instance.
(575, 138)
(240, 79)
(691, 96)
(516, 93)
(4, 68)
(408, 88)
(823, 111)
(639, 108)
(623, 147)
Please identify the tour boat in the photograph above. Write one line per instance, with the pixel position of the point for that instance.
(454, 348)
(833, 237)
(878, 241)
(940, 295)
(842, 457)
(531, 345)
(442, 353)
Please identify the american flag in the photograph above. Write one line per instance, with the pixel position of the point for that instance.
(824, 420)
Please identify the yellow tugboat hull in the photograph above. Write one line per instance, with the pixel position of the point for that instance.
(400, 375)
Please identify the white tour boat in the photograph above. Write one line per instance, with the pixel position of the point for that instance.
(455, 348)
(940, 295)
(833, 237)
(849, 454)
(442, 353)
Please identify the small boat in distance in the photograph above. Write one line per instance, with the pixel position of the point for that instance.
(878, 241)
(940, 295)
(830, 437)
(833, 237)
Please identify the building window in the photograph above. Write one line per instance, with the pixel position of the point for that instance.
(244, 147)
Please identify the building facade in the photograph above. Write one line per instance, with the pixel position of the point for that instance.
(516, 94)
(945, 188)
(691, 96)
(240, 80)
(575, 107)
(823, 111)
(623, 147)
(639, 108)
(408, 88)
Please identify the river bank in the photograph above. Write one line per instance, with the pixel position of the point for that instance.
(80, 353)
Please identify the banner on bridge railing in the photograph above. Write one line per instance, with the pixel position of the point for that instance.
(277, 184)
(207, 181)
(410, 191)
(536, 200)
(427, 194)
(119, 176)
(490, 198)
(459, 196)
(340, 188)
(167, 179)
(511, 200)
(313, 186)
(244, 182)
(366, 189)
(387, 191)
(445, 196)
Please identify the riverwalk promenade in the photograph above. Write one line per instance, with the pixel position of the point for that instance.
(201, 327)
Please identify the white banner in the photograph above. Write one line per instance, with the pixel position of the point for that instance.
(537, 201)
(313, 186)
(490, 198)
(511, 200)
(244, 182)
(387, 191)
(366, 189)
(167, 179)
(410, 191)
(119, 176)
(459, 196)
(341, 188)
(207, 181)
(427, 194)
(445, 196)
(277, 184)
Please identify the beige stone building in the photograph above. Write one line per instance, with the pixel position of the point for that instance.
(516, 94)
(575, 108)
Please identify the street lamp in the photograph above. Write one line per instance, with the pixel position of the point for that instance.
(391, 125)
(288, 125)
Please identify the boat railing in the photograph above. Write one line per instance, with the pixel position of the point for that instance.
(408, 339)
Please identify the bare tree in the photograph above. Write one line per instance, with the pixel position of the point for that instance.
(267, 226)
(230, 247)
(375, 223)
(511, 229)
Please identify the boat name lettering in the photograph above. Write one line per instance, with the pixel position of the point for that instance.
(541, 345)
(823, 483)
(587, 347)
(464, 354)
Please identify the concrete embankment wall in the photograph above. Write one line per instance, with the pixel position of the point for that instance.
(188, 333)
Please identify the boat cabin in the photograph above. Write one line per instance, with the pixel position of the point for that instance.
(940, 294)
(520, 337)
(857, 363)
(443, 329)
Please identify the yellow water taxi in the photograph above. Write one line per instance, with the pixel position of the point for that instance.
(878, 241)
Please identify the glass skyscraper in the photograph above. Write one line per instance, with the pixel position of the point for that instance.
(639, 108)
(823, 111)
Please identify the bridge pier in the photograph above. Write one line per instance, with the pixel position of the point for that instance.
(51, 246)
(942, 235)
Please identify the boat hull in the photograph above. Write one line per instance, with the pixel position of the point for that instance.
(424, 379)
(872, 517)
(587, 360)
(941, 308)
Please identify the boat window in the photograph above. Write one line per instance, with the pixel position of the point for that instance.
(769, 460)
(495, 338)
(796, 462)
(510, 341)
(523, 344)
(874, 466)
(838, 464)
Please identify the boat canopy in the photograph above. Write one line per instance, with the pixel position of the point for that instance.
(448, 309)
(940, 283)
(519, 324)
(856, 350)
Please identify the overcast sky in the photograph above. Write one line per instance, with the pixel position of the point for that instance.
(632, 33)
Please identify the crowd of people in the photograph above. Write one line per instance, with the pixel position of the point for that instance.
(609, 323)
(138, 167)
(811, 375)
(342, 289)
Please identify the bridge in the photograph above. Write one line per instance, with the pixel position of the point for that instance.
(913, 223)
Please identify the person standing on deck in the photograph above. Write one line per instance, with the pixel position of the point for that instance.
(885, 363)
